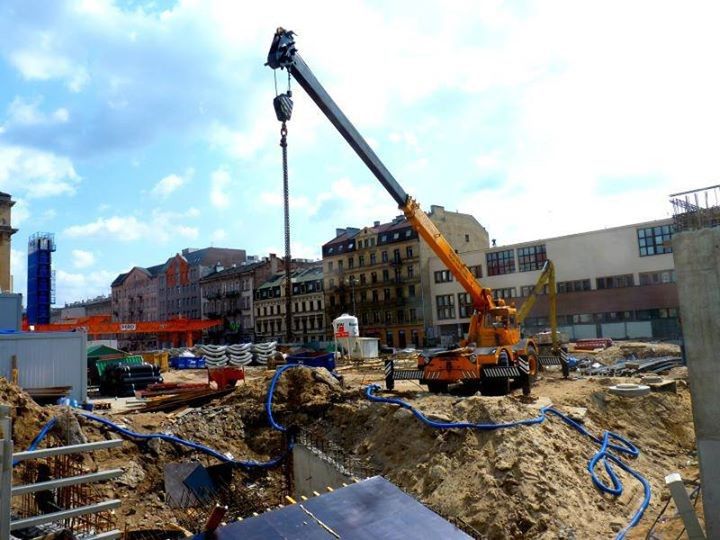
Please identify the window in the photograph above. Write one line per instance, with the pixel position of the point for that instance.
(364, 318)
(383, 238)
(476, 270)
(412, 314)
(508, 292)
(443, 276)
(411, 271)
(332, 301)
(653, 278)
(500, 262)
(376, 317)
(615, 282)
(465, 309)
(362, 279)
(386, 294)
(373, 277)
(409, 252)
(363, 296)
(396, 236)
(372, 242)
(351, 262)
(361, 260)
(340, 266)
(583, 318)
(386, 275)
(531, 257)
(396, 255)
(375, 297)
(388, 317)
(467, 237)
(655, 240)
(384, 256)
(573, 286)
(389, 338)
(527, 290)
(411, 291)
(332, 282)
(445, 304)
(373, 259)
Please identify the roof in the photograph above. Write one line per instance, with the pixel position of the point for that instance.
(372, 508)
(233, 270)
(210, 255)
(119, 280)
(103, 350)
(298, 275)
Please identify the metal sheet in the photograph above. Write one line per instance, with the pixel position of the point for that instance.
(10, 311)
(368, 510)
(47, 359)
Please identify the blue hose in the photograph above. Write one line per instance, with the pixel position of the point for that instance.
(611, 445)
(190, 444)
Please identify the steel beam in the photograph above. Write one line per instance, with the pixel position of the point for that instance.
(71, 449)
(64, 514)
(69, 481)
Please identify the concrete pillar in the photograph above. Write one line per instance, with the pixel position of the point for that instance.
(697, 267)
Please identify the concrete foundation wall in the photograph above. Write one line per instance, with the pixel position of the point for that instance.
(697, 264)
(314, 472)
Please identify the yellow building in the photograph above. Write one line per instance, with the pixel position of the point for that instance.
(6, 232)
(380, 275)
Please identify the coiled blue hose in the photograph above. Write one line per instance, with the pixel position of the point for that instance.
(607, 454)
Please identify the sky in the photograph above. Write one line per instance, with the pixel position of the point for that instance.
(133, 129)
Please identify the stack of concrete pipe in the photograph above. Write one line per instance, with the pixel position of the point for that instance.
(239, 355)
(214, 355)
(264, 351)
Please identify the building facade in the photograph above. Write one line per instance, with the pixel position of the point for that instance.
(308, 306)
(380, 273)
(100, 305)
(6, 232)
(617, 282)
(227, 294)
(135, 295)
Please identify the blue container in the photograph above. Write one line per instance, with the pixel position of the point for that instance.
(326, 360)
(187, 362)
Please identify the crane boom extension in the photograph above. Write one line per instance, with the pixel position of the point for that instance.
(547, 277)
(283, 54)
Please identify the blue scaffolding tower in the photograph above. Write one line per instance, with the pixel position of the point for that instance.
(41, 278)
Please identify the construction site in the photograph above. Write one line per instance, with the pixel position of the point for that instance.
(516, 420)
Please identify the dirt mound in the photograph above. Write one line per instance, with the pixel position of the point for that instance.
(632, 349)
(27, 416)
(523, 482)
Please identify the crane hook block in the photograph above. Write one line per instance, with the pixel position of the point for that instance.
(283, 104)
(282, 50)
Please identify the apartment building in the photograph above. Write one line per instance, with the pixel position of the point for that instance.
(617, 282)
(100, 305)
(171, 289)
(228, 294)
(380, 273)
(308, 309)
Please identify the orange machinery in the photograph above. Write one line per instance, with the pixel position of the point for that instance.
(494, 353)
(102, 325)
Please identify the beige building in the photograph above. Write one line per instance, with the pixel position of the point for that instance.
(308, 309)
(227, 294)
(617, 282)
(6, 232)
(380, 273)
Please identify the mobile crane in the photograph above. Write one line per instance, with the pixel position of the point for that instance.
(494, 353)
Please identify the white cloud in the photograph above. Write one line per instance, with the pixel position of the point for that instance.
(35, 173)
(22, 112)
(219, 185)
(82, 259)
(168, 185)
(20, 212)
(38, 63)
(298, 250)
(219, 235)
(18, 270)
(73, 286)
(160, 227)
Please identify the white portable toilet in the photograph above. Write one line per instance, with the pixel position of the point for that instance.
(346, 331)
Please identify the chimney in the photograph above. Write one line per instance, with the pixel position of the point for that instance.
(219, 267)
(273, 263)
(376, 223)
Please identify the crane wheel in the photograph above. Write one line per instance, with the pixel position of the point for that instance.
(437, 387)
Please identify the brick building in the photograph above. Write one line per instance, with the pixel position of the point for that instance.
(380, 273)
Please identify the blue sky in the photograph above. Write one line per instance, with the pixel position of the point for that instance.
(134, 129)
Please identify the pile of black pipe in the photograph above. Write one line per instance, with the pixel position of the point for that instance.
(123, 380)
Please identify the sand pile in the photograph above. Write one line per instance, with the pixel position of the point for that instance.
(27, 416)
(626, 350)
(524, 482)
